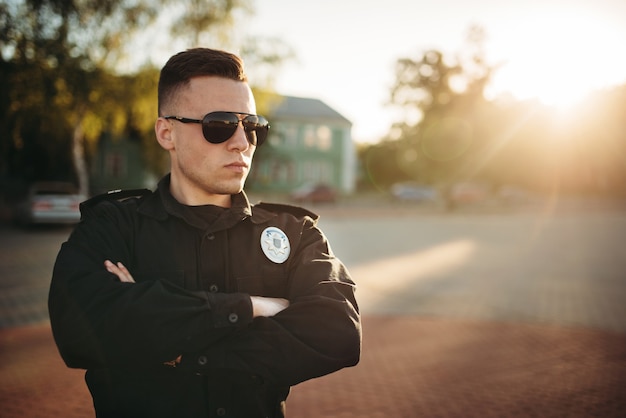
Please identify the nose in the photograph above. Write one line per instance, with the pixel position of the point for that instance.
(238, 141)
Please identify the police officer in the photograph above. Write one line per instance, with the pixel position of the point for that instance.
(189, 301)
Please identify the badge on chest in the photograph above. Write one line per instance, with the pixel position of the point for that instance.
(275, 244)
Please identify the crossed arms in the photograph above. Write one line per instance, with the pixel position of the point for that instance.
(101, 318)
(261, 306)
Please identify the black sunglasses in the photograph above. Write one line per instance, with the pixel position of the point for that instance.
(218, 127)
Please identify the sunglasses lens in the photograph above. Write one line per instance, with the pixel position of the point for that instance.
(256, 128)
(218, 127)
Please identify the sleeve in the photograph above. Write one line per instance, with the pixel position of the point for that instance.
(319, 333)
(98, 321)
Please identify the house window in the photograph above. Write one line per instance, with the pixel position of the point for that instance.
(284, 135)
(290, 133)
(324, 138)
(320, 137)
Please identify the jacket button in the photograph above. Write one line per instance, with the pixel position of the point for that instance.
(213, 288)
(221, 412)
(210, 237)
(233, 318)
(202, 360)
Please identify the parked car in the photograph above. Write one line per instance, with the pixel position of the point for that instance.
(413, 192)
(469, 192)
(314, 193)
(50, 203)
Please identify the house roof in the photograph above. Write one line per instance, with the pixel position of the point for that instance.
(300, 107)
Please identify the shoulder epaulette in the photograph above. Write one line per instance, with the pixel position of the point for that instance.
(118, 195)
(294, 210)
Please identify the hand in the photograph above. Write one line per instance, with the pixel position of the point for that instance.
(124, 275)
(263, 306)
(120, 271)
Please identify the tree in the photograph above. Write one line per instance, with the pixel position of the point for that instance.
(445, 97)
(70, 49)
(66, 46)
(453, 133)
(196, 17)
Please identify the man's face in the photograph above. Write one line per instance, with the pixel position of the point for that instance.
(203, 172)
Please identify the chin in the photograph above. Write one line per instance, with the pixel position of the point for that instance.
(233, 188)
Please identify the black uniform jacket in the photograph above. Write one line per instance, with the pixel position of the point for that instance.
(195, 268)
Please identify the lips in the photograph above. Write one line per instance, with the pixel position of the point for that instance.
(237, 166)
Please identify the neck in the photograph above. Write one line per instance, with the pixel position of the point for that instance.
(190, 196)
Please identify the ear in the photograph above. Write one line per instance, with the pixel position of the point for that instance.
(163, 130)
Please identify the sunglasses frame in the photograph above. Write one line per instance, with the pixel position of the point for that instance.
(261, 127)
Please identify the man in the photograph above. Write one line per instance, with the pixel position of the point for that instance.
(188, 301)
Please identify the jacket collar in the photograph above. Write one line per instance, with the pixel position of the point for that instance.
(161, 204)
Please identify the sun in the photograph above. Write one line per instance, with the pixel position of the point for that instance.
(559, 60)
(554, 84)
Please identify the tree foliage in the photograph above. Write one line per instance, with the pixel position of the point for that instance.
(448, 98)
(60, 90)
(198, 15)
(459, 135)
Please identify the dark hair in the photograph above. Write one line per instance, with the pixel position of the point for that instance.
(196, 62)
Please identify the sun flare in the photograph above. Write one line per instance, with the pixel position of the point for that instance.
(556, 60)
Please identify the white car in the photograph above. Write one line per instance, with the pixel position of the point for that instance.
(50, 203)
(413, 192)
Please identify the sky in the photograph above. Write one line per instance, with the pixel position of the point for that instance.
(553, 50)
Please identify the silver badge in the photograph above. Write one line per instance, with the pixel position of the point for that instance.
(275, 244)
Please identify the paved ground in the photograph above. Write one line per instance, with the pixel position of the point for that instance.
(411, 367)
(467, 315)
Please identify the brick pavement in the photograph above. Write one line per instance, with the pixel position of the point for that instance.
(411, 367)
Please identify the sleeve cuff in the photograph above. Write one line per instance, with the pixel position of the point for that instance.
(230, 309)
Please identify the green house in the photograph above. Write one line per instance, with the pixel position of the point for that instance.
(309, 143)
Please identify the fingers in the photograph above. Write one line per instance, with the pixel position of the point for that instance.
(120, 271)
(127, 277)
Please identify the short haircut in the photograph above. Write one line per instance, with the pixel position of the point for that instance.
(196, 62)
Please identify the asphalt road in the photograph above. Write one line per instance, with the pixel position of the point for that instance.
(566, 267)
(536, 266)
